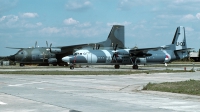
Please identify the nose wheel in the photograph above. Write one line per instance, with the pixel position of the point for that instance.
(71, 67)
(117, 66)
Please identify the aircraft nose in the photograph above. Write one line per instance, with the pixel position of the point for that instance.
(66, 59)
(11, 57)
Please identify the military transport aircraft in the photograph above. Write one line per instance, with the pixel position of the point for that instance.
(164, 54)
(53, 55)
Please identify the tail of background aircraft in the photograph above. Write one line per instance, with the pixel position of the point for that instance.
(116, 37)
(179, 40)
(179, 44)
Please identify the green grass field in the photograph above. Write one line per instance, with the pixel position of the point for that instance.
(191, 87)
(128, 72)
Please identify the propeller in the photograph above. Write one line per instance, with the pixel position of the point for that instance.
(47, 43)
(43, 56)
(35, 44)
(98, 46)
(50, 47)
(115, 55)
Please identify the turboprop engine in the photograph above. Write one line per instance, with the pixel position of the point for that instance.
(55, 50)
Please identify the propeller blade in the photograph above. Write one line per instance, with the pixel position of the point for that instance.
(43, 56)
(50, 45)
(47, 43)
(98, 46)
(35, 44)
(114, 56)
(115, 48)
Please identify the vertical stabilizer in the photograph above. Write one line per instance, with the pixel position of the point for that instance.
(179, 40)
(115, 37)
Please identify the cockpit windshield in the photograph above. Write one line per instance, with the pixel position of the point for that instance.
(76, 53)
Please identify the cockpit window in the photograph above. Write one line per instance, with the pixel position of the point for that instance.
(79, 53)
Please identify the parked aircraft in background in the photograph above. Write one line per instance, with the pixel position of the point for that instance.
(53, 55)
(164, 54)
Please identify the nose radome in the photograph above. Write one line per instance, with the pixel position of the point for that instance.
(66, 59)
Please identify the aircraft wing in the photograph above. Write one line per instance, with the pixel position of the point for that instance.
(72, 47)
(14, 48)
(66, 50)
(142, 52)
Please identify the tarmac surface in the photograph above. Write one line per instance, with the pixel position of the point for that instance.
(93, 93)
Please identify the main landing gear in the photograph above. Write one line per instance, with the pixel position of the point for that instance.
(135, 66)
(134, 62)
(117, 66)
(21, 64)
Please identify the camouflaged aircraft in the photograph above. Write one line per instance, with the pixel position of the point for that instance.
(53, 55)
(163, 54)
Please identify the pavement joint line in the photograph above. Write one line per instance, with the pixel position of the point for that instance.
(2, 103)
(37, 101)
(27, 83)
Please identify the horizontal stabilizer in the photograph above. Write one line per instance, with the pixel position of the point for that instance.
(188, 49)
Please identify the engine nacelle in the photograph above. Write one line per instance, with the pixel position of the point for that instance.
(55, 50)
(52, 60)
(141, 60)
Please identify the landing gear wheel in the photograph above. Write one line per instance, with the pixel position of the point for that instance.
(135, 66)
(71, 67)
(21, 64)
(117, 66)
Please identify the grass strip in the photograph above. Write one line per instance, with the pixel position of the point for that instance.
(184, 87)
(128, 72)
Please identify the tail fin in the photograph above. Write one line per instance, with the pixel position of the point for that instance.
(116, 36)
(179, 40)
(179, 44)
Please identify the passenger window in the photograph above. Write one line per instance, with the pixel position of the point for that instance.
(80, 53)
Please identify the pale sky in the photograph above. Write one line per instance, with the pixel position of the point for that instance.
(148, 23)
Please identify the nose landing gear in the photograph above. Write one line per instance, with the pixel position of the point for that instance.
(117, 66)
(71, 67)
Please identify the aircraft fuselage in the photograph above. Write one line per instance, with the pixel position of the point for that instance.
(122, 57)
(33, 56)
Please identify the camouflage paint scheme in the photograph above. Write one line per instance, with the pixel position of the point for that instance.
(53, 55)
(164, 54)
